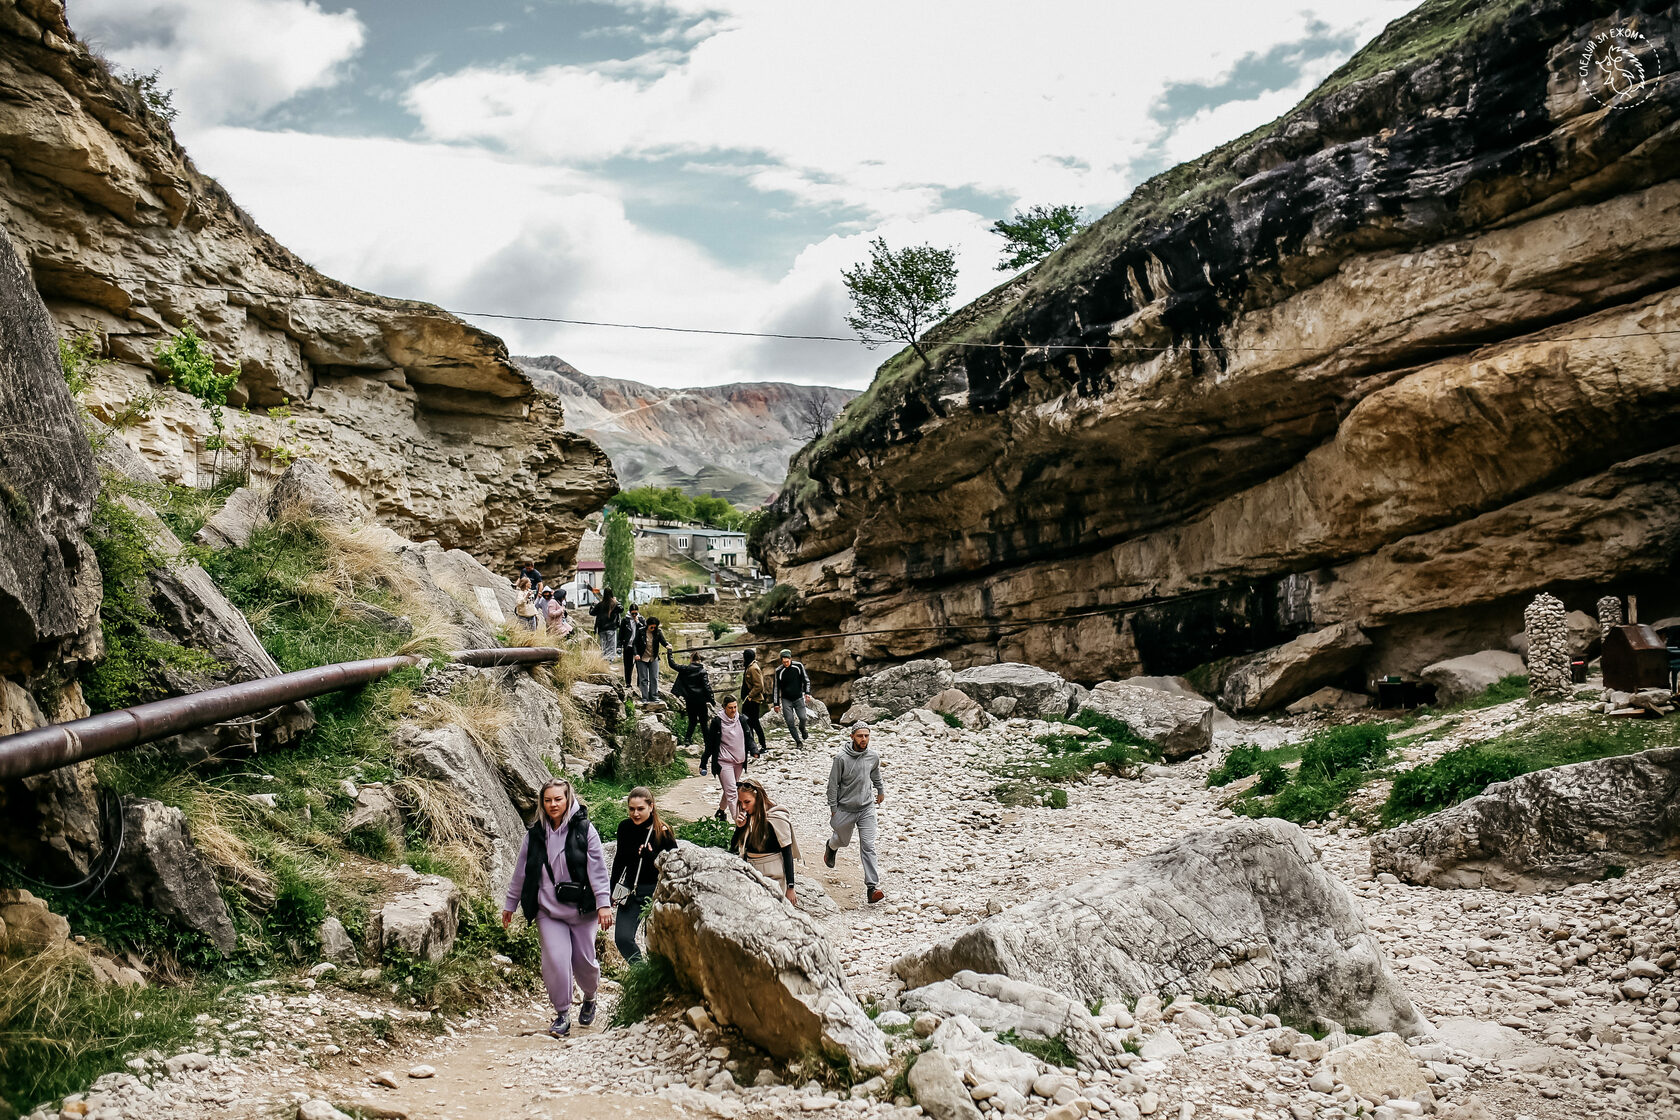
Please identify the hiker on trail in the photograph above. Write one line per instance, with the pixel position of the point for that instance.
(607, 617)
(560, 883)
(764, 836)
(792, 691)
(694, 688)
(856, 769)
(527, 570)
(726, 742)
(635, 871)
(553, 612)
(524, 605)
(647, 659)
(754, 695)
(629, 634)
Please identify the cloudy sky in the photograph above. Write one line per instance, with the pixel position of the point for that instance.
(692, 163)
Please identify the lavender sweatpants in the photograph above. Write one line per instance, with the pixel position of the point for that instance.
(568, 950)
(729, 776)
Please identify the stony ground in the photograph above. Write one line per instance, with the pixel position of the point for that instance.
(1563, 1005)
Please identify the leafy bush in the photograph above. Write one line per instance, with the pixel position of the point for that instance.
(719, 628)
(780, 600)
(1338, 749)
(1334, 764)
(1056, 799)
(1239, 762)
(1272, 779)
(192, 368)
(707, 832)
(950, 720)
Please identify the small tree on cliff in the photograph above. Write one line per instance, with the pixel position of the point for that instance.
(1031, 235)
(619, 555)
(900, 295)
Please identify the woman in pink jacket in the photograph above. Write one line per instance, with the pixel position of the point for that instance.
(726, 737)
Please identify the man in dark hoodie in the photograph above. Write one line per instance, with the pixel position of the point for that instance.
(792, 691)
(695, 688)
(854, 775)
(629, 635)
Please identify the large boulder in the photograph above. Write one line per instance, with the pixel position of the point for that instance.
(650, 749)
(376, 808)
(1541, 831)
(420, 922)
(998, 1004)
(160, 867)
(1182, 726)
(1378, 1068)
(472, 788)
(1244, 914)
(307, 489)
(762, 966)
(955, 702)
(28, 927)
(1287, 672)
(896, 690)
(939, 1088)
(1460, 678)
(245, 510)
(49, 578)
(1038, 693)
(817, 717)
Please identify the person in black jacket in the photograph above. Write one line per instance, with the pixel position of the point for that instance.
(791, 691)
(629, 634)
(608, 616)
(647, 659)
(635, 870)
(695, 689)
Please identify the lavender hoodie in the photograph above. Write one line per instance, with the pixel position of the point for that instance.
(733, 741)
(547, 904)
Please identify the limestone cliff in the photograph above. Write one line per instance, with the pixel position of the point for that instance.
(419, 415)
(731, 440)
(1400, 358)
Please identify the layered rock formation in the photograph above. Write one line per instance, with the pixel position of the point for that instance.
(731, 440)
(419, 415)
(1398, 359)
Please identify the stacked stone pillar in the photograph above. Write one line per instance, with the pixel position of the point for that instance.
(1609, 615)
(1548, 647)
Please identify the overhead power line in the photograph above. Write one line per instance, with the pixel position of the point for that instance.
(854, 340)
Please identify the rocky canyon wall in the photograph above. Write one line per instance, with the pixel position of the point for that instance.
(1402, 358)
(419, 415)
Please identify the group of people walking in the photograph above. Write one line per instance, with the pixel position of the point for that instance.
(538, 606)
(562, 884)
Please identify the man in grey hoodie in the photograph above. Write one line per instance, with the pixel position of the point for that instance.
(852, 780)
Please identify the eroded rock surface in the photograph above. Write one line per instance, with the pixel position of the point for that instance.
(420, 415)
(1399, 360)
(762, 966)
(1541, 831)
(1038, 693)
(161, 867)
(420, 922)
(1182, 726)
(898, 689)
(1245, 911)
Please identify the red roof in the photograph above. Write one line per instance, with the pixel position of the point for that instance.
(591, 566)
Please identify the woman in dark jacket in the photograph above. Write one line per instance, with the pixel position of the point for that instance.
(754, 695)
(695, 689)
(635, 871)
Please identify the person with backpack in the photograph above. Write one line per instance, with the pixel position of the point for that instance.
(754, 695)
(726, 742)
(635, 871)
(694, 688)
(607, 618)
(524, 605)
(629, 634)
(647, 659)
(560, 883)
(764, 837)
(792, 688)
(850, 777)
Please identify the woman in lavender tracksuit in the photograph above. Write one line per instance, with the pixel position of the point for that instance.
(560, 882)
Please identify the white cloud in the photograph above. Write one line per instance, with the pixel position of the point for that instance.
(226, 60)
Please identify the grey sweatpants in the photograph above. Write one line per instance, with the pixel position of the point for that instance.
(793, 714)
(843, 821)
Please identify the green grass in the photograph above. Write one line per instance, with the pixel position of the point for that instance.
(1072, 758)
(1334, 763)
(1465, 772)
(950, 720)
(644, 986)
(60, 1028)
(707, 832)
(605, 794)
(1051, 1050)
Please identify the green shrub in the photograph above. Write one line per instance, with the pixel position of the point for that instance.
(1272, 779)
(1052, 1050)
(648, 982)
(707, 832)
(1056, 799)
(780, 600)
(300, 906)
(1448, 780)
(719, 628)
(1338, 749)
(370, 840)
(950, 720)
(192, 368)
(1239, 762)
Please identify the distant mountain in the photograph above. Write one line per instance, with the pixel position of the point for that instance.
(731, 440)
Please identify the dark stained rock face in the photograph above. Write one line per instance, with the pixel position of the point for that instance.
(49, 581)
(1545, 830)
(1397, 360)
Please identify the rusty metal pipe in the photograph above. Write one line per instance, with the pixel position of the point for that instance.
(62, 744)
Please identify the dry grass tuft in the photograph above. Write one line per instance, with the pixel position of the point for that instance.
(477, 706)
(449, 830)
(218, 818)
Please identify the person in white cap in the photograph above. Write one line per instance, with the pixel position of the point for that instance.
(853, 777)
